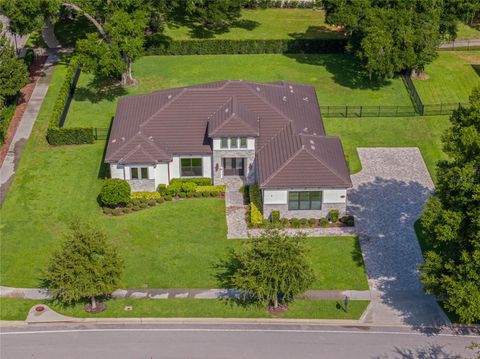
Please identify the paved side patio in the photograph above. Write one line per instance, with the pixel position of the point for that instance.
(387, 198)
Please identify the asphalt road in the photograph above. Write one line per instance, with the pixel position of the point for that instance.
(229, 341)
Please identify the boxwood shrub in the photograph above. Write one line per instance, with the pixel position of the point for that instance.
(145, 196)
(199, 181)
(217, 188)
(115, 192)
(167, 198)
(256, 216)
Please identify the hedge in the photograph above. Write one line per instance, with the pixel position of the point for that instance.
(145, 195)
(199, 181)
(72, 135)
(158, 44)
(6, 115)
(256, 217)
(216, 188)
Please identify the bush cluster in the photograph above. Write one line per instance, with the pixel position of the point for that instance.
(199, 181)
(160, 45)
(115, 192)
(256, 216)
(191, 187)
(216, 188)
(66, 136)
(145, 195)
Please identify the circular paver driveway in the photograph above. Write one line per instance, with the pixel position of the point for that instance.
(387, 198)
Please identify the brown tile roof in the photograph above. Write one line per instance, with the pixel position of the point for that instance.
(285, 118)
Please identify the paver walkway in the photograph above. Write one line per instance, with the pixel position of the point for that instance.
(15, 150)
(460, 43)
(196, 293)
(387, 198)
(236, 210)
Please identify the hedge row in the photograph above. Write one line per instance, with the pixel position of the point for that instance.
(256, 216)
(72, 135)
(159, 45)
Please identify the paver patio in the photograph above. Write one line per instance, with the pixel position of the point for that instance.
(387, 198)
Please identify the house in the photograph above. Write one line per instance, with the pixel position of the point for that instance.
(269, 133)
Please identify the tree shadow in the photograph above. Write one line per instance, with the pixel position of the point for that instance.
(431, 351)
(385, 211)
(477, 69)
(356, 254)
(99, 90)
(345, 69)
(318, 32)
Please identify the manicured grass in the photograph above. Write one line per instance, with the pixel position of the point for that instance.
(465, 32)
(452, 76)
(423, 132)
(334, 77)
(175, 244)
(263, 24)
(17, 309)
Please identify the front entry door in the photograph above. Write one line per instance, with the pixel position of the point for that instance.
(233, 166)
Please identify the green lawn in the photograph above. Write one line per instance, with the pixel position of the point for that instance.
(263, 24)
(17, 309)
(452, 76)
(334, 77)
(175, 244)
(465, 32)
(422, 132)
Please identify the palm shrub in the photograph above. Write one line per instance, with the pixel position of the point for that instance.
(115, 192)
(87, 265)
(270, 269)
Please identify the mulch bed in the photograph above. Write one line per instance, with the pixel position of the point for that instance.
(282, 307)
(25, 95)
(100, 308)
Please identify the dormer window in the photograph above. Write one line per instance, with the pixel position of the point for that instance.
(233, 142)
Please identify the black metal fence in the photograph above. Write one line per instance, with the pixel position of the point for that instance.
(368, 111)
(100, 133)
(412, 91)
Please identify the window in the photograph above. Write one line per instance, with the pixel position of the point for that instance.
(224, 142)
(243, 142)
(191, 167)
(304, 200)
(233, 142)
(139, 172)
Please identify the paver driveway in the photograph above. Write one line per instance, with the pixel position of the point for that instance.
(387, 198)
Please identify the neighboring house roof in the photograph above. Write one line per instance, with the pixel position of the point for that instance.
(291, 145)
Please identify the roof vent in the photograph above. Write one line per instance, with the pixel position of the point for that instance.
(312, 147)
(169, 97)
(314, 133)
(114, 140)
(305, 129)
(290, 87)
(258, 89)
(226, 110)
(123, 138)
(305, 99)
(284, 98)
(311, 142)
(150, 138)
(291, 91)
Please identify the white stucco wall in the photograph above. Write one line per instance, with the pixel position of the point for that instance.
(117, 171)
(281, 196)
(250, 145)
(161, 174)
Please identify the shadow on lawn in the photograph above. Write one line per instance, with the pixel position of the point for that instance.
(344, 68)
(99, 90)
(477, 69)
(317, 32)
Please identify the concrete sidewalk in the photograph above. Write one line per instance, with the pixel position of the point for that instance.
(193, 293)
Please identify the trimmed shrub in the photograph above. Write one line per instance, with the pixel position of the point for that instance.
(143, 205)
(107, 210)
(348, 220)
(160, 200)
(143, 200)
(275, 216)
(199, 181)
(218, 188)
(303, 222)
(182, 195)
(135, 202)
(115, 192)
(70, 135)
(167, 198)
(284, 222)
(323, 222)
(189, 187)
(126, 210)
(129, 205)
(145, 196)
(189, 195)
(135, 208)
(256, 216)
(294, 223)
(214, 194)
(158, 44)
(312, 222)
(333, 215)
(116, 212)
(197, 195)
(152, 202)
(162, 189)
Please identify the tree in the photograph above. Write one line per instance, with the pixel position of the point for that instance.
(392, 36)
(87, 265)
(13, 71)
(451, 218)
(270, 269)
(213, 13)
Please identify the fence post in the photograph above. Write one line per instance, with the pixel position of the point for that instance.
(346, 111)
(361, 111)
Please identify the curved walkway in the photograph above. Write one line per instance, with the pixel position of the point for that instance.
(387, 198)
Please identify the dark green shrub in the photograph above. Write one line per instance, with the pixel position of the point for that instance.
(143, 200)
(107, 210)
(294, 223)
(160, 200)
(116, 212)
(143, 205)
(136, 202)
(115, 192)
(135, 208)
(303, 222)
(189, 187)
(284, 222)
(206, 194)
(333, 215)
(167, 198)
(129, 205)
(189, 195)
(199, 181)
(214, 194)
(162, 189)
(70, 135)
(152, 203)
(182, 195)
(196, 194)
(275, 216)
(126, 210)
(348, 220)
(323, 222)
(312, 222)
